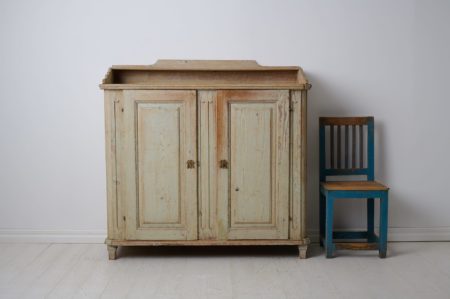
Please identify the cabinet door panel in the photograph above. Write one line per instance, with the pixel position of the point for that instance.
(253, 136)
(251, 152)
(160, 194)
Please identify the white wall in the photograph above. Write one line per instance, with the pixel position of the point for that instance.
(389, 59)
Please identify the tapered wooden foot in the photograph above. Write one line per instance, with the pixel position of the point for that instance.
(302, 250)
(112, 252)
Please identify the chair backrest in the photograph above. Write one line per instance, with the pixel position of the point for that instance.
(346, 146)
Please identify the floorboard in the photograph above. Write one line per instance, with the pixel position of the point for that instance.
(411, 270)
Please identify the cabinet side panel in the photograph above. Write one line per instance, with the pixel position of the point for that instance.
(297, 161)
(115, 225)
(208, 165)
(303, 178)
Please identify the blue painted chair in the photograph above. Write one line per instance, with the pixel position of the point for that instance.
(344, 152)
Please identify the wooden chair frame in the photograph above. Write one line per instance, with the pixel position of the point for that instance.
(341, 165)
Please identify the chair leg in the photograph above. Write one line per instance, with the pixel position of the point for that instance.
(383, 225)
(329, 226)
(321, 218)
(370, 219)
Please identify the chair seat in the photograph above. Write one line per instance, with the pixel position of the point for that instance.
(354, 186)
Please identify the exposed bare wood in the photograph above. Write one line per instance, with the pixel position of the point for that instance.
(170, 123)
(161, 192)
(202, 86)
(205, 65)
(348, 189)
(112, 251)
(298, 165)
(208, 167)
(112, 131)
(343, 121)
(184, 74)
(302, 251)
(108, 79)
(206, 242)
(356, 245)
(354, 185)
(297, 152)
(254, 132)
(303, 161)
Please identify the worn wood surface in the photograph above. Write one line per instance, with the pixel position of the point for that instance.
(362, 146)
(350, 146)
(207, 123)
(237, 127)
(355, 185)
(253, 133)
(302, 251)
(298, 175)
(161, 195)
(204, 75)
(303, 164)
(345, 121)
(416, 270)
(113, 102)
(356, 246)
(206, 65)
(250, 242)
(112, 252)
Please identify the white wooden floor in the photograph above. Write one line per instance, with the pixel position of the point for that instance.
(412, 270)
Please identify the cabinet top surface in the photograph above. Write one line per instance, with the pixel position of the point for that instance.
(204, 74)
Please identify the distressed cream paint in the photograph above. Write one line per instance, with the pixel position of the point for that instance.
(205, 153)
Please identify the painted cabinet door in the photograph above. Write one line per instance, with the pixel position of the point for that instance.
(253, 157)
(160, 187)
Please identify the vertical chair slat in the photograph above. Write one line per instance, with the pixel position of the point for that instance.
(339, 145)
(370, 150)
(361, 147)
(331, 146)
(323, 156)
(353, 147)
(346, 148)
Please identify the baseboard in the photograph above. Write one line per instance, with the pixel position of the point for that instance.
(419, 234)
(52, 236)
(396, 234)
(404, 234)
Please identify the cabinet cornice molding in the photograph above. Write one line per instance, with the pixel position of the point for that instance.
(205, 74)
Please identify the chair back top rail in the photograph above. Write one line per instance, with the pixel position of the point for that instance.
(346, 121)
(346, 146)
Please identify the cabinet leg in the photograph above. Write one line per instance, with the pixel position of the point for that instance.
(112, 252)
(302, 249)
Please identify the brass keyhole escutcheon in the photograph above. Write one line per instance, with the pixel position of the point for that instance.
(190, 164)
(223, 164)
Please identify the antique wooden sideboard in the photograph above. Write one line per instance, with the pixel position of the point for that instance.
(205, 153)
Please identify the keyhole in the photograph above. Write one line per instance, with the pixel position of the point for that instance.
(237, 189)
